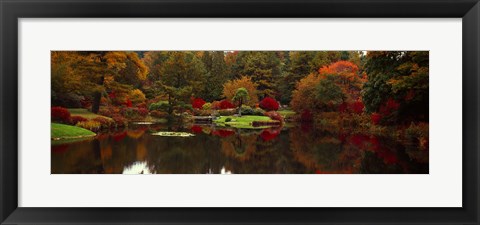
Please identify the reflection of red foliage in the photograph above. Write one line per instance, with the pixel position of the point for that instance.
(197, 103)
(196, 129)
(306, 116)
(359, 140)
(342, 137)
(59, 148)
(225, 104)
(342, 107)
(268, 135)
(112, 95)
(376, 118)
(357, 107)
(119, 136)
(223, 133)
(269, 104)
(306, 127)
(103, 136)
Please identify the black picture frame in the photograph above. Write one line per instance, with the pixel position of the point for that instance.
(11, 11)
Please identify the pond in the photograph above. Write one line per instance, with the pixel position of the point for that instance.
(291, 149)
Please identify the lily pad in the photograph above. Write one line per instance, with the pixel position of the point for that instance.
(173, 134)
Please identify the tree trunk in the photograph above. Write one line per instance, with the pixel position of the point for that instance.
(96, 102)
(240, 109)
(97, 96)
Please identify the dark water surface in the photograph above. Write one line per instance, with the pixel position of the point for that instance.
(297, 149)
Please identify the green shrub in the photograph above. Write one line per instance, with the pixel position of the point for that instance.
(228, 119)
(161, 106)
(207, 106)
(247, 110)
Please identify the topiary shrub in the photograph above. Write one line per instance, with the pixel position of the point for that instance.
(60, 114)
(225, 104)
(247, 110)
(197, 103)
(269, 104)
(207, 106)
(161, 105)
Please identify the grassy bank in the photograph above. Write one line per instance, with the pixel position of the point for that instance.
(62, 131)
(242, 122)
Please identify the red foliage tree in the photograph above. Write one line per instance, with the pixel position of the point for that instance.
(197, 103)
(60, 114)
(269, 104)
(225, 104)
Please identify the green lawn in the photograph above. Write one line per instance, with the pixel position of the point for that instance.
(85, 113)
(242, 122)
(62, 131)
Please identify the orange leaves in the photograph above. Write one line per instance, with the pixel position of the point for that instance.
(342, 68)
(230, 87)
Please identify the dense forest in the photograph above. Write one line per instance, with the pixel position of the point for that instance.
(391, 86)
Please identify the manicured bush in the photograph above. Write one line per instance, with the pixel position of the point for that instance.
(225, 104)
(75, 119)
(90, 125)
(269, 104)
(60, 114)
(207, 106)
(247, 110)
(258, 112)
(161, 105)
(104, 122)
(197, 103)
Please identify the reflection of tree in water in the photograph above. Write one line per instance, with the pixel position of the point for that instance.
(292, 150)
(351, 153)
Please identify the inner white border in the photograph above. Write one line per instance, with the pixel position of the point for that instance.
(441, 188)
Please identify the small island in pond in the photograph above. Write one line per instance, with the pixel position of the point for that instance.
(239, 112)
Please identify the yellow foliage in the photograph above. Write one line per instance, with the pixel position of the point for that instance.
(230, 87)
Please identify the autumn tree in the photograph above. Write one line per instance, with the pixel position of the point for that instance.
(346, 76)
(303, 97)
(263, 67)
(241, 96)
(230, 88)
(97, 72)
(216, 75)
(398, 78)
(178, 76)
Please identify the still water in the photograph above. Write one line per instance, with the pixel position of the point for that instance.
(293, 149)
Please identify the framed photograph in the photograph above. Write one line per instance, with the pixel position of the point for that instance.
(252, 112)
